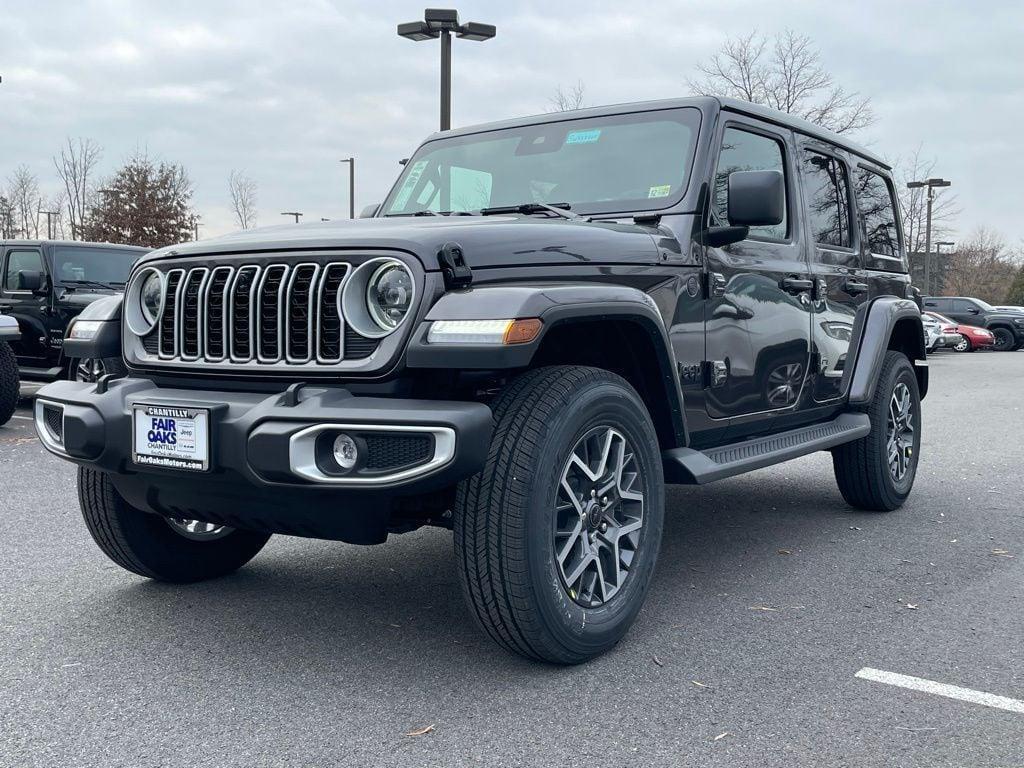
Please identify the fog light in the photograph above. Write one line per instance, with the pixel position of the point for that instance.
(345, 451)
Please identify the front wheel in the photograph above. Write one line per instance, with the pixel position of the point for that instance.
(964, 345)
(1005, 342)
(877, 472)
(91, 369)
(9, 384)
(557, 537)
(160, 548)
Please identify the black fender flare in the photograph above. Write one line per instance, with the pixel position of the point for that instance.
(107, 340)
(555, 304)
(883, 318)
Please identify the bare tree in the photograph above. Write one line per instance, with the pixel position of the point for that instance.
(784, 73)
(7, 226)
(982, 266)
(565, 100)
(914, 203)
(75, 166)
(24, 199)
(243, 199)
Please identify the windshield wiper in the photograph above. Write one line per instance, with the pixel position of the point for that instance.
(112, 286)
(561, 209)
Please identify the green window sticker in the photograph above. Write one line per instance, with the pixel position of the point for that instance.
(583, 137)
(663, 190)
(410, 184)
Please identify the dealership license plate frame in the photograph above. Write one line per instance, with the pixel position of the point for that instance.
(200, 418)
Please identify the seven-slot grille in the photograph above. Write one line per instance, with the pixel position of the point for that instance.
(273, 314)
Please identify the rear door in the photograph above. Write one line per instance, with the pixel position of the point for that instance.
(840, 287)
(28, 308)
(757, 315)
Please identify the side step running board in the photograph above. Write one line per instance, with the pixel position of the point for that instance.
(692, 467)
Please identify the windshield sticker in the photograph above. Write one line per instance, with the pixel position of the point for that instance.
(410, 184)
(583, 137)
(660, 191)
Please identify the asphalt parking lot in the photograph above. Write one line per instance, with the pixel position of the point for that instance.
(771, 595)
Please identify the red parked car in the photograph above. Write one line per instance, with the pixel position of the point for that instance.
(971, 337)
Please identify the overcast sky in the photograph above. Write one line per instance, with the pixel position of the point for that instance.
(282, 90)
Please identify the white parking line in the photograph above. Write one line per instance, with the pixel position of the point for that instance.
(26, 418)
(942, 689)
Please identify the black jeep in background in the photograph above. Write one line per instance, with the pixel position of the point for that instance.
(1007, 325)
(44, 285)
(545, 321)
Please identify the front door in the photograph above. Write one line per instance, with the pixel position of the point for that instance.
(28, 308)
(757, 315)
(841, 287)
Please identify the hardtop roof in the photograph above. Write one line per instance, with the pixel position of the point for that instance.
(704, 103)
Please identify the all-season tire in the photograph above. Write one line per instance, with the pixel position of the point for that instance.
(9, 383)
(146, 544)
(862, 467)
(506, 518)
(1005, 342)
(964, 345)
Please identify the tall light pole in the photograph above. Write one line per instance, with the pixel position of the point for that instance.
(351, 185)
(296, 214)
(49, 222)
(442, 22)
(931, 184)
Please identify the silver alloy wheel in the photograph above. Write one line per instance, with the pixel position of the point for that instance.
(784, 384)
(962, 345)
(89, 369)
(900, 432)
(197, 529)
(599, 514)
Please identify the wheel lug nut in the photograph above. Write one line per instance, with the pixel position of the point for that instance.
(593, 492)
(604, 527)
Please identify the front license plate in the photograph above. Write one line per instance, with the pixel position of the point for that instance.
(172, 437)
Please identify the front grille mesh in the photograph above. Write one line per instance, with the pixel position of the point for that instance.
(390, 451)
(255, 315)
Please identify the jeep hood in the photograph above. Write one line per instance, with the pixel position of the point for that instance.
(487, 241)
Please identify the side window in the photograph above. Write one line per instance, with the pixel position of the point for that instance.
(962, 305)
(828, 203)
(19, 261)
(745, 151)
(874, 201)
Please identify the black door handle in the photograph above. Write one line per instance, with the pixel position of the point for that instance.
(852, 287)
(797, 285)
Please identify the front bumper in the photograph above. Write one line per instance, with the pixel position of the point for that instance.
(265, 459)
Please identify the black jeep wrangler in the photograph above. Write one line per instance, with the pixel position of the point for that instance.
(545, 321)
(46, 283)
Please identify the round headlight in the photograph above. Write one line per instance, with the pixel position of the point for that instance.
(151, 296)
(389, 295)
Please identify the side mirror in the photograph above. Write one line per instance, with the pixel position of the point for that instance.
(31, 280)
(756, 198)
(369, 211)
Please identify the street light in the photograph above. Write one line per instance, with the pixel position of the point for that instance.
(931, 184)
(296, 214)
(351, 185)
(441, 22)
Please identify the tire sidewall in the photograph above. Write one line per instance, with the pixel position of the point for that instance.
(1004, 333)
(589, 630)
(900, 373)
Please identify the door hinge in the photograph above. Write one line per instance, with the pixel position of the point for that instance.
(715, 285)
(716, 372)
(453, 267)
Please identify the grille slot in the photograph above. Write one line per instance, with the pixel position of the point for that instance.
(216, 315)
(53, 415)
(169, 320)
(387, 451)
(275, 315)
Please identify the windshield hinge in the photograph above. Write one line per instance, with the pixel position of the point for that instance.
(453, 267)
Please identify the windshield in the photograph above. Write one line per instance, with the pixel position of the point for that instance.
(109, 266)
(603, 164)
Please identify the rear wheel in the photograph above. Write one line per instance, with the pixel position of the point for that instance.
(1005, 342)
(877, 472)
(160, 548)
(9, 383)
(556, 539)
